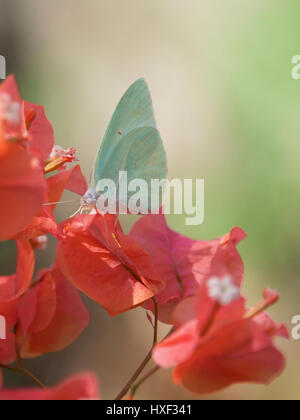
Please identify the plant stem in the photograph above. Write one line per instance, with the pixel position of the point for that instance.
(21, 368)
(136, 374)
(155, 323)
(33, 378)
(147, 359)
(135, 387)
(10, 368)
(25, 372)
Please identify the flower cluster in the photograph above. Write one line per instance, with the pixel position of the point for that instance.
(195, 286)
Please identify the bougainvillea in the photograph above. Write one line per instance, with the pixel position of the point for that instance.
(215, 340)
(106, 264)
(218, 341)
(182, 262)
(82, 386)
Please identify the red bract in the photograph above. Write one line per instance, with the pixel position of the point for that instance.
(8, 310)
(7, 350)
(51, 315)
(40, 131)
(26, 143)
(11, 115)
(82, 386)
(13, 286)
(44, 222)
(107, 265)
(22, 189)
(218, 342)
(22, 184)
(182, 262)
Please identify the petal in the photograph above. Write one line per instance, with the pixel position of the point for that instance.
(40, 131)
(38, 226)
(72, 179)
(60, 316)
(183, 263)
(8, 310)
(230, 354)
(206, 375)
(45, 222)
(264, 321)
(185, 311)
(77, 182)
(176, 258)
(8, 349)
(178, 347)
(22, 190)
(37, 308)
(82, 386)
(26, 313)
(227, 260)
(115, 273)
(15, 285)
(13, 128)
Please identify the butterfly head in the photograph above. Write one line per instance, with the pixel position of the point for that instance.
(89, 200)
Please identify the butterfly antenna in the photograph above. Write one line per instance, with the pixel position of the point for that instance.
(59, 202)
(76, 212)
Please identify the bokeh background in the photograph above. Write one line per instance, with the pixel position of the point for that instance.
(228, 110)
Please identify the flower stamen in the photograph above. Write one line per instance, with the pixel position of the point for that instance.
(270, 298)
(59, 158)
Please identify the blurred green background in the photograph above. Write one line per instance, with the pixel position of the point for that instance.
(228, 110)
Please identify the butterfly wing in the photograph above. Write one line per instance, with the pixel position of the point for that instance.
(141, 154)
(133, 111)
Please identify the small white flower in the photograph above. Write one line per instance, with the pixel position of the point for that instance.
(11, 111)
(42, 242)
(222, 290)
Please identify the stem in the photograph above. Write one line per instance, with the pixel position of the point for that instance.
(155, 323)
(10, 368)
(135, 387)
(25, 371)
(33, 378)
(147, 359)
(22, 368)
(136, 374)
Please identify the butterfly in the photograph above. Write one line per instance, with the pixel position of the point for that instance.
(131, 145)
